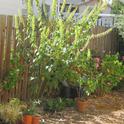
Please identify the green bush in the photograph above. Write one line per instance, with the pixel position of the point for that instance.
(110, 74)
(53, 105)
(11, 112)
(52, 45)
(57, 104)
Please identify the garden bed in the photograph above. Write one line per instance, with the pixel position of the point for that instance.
(102, 110)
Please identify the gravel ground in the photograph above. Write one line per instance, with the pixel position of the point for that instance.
(102, 110)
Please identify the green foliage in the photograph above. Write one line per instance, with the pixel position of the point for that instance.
(11, 111)
(110, 74)
(57, 104)
(52, 105)
(52, 46)
(118, 8)
(32, 108)
(120, 25)
(86, 74)
(102, 79)
(69, 102)
(13, 73)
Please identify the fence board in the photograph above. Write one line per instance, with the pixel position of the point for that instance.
(2, 41)
(107, 43)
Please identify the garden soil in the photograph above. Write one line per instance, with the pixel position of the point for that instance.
(102, 110)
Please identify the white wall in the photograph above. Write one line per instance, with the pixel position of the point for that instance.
(91, 4)
(9, 7)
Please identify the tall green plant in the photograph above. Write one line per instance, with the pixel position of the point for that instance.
(51, 45)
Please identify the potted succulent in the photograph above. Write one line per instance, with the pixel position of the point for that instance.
(31, 115)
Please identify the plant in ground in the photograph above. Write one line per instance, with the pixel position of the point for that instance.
(52, 46)
(13, 73)
(110, 73)
(53, 105)
(11, 112)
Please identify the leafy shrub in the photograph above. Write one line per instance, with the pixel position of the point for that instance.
(53, 45)
(11, 111)
(57, 104)
(110, 73)
(69, 102)
(52, 105)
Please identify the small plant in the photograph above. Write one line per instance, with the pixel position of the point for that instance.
(53, 105)
(11, 112)
(32, 108)
(69, 102)
(12, 75)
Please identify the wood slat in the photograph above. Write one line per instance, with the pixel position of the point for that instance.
(8, 42)
(2, 41)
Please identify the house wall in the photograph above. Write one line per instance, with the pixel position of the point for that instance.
(9, 7)
(91, 4)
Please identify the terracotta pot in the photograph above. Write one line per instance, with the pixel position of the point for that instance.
(81, 105)
(36, 120)
(27, 119)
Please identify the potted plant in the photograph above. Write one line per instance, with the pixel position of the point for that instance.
(82, 101)
(31, 115)
(85, 80)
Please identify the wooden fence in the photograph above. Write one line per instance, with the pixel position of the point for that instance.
(8, 43)
(105, 44)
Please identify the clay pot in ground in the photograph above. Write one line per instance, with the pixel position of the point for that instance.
(27, 119)
(36, 120)
(82, 105)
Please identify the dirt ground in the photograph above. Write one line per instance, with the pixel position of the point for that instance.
(102, 110)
